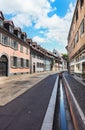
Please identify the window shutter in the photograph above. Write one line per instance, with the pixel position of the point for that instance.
(24, 62)
(18, 62)
(8, 41)
(11, 61)
(0, 38)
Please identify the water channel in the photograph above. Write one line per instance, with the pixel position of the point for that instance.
(62, 117)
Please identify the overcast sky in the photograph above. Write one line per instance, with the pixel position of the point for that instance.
(47, 22)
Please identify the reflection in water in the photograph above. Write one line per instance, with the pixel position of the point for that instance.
(62, 110)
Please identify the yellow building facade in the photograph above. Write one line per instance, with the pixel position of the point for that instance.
(76, 40)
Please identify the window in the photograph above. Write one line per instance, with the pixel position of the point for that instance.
(37, 65)
(76, 14)
(22, 62)
(76, 37)
(82, 27)
(5, 40)
(11, 29)
(14, 44)
(19, 35)
(40, 65)
(33, 55)
(26, 50)
(15, 61)
(81, 3)
(72, 45)
(21, 48)
(27, 63)
(1, 23)
(24, 38)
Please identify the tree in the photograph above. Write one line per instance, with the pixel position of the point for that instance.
(65, 56)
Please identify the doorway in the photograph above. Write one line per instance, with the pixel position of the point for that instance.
(3, 66)
(33, 67)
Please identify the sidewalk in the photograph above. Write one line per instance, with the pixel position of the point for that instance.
(18, 77)
(76, 92)
(82, 81)
(12, 87)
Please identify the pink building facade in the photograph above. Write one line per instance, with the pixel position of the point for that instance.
(20, 55)
(14, 49)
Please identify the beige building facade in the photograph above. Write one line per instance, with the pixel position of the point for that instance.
(76, 40)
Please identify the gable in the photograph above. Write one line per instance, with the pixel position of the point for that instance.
(1, 15)
(11, 23)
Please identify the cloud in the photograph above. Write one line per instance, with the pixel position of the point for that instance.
(52, 0)
(29, 10)
(57, 27)
(39, 39)
(32, 13)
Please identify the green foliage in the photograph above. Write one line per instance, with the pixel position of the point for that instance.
(65, 56)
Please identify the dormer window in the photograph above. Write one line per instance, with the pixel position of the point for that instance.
(9, 26)
(23, 36)
(19, 35)
(11, 29)
(24, 39)
(1, 23)
(17, 32)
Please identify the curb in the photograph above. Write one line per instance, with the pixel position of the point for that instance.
(49, 116)
(68, 90)
(79, 80)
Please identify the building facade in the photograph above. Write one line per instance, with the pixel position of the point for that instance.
(40, 60)
(14, 49)
(76, 40)
(20, 55)
(58, 61)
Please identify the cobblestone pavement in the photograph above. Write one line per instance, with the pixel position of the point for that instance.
(27, 111)
(12, 87)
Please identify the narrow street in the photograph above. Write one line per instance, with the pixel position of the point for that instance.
(42, 65)
(47, 103)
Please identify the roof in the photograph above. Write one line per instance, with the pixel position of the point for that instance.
(10, 22)
(17, 28)
(1, 15)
